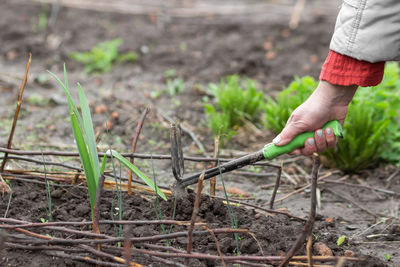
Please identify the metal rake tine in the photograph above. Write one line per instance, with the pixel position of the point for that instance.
(176, 151)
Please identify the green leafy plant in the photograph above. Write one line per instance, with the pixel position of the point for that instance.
(387, 256)
(278, 111)
(173, 84)
(236, 100)
(82, 127)
(371, 130)
(340, 240)
(101, 57)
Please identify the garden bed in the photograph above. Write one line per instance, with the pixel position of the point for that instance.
(200, 50)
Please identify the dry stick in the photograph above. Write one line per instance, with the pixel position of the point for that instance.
(217, 244)
(25, 224)
(135, 155)
(213, 180)
(83, 258)
(127, 246)
(373, 214)
(235, 258)
(19, 103)
(309, 251)
(96, 208)
(293, 263)
(54, 240)
(364, 186)
(263, 209)
(302, 188)
(194, 214)
(134, 142)
(310, 223)
(34, 248)
(277, 183)
(101, 254)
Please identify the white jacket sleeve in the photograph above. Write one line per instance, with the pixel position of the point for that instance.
(368, 30)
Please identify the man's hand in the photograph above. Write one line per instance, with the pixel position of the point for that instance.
(328, 102)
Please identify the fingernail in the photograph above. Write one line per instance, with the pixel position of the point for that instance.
(319, 133)
(276, 140)
(328, 130)
(311, 142)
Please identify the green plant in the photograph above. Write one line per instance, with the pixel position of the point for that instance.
(371, 130)
(82, 127)
(174, 84)
(340, 240)
(101, 57)
(278, 112)
(236, 100)
(42, 21)
(387, 256)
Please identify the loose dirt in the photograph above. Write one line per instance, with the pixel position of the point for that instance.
(201, 50)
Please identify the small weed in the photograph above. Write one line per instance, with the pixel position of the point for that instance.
(173, 84)
(236, 100)
(101, 57)
(340, 240)
(37, 100)
(41, 24)
(387, 257)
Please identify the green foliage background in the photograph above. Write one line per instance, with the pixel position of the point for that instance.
(236, 100)
(101, 57)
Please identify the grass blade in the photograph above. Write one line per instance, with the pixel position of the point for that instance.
(88, 131)
(85, 158)
(139, 173)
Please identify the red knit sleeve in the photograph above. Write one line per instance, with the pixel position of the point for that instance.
(344, 70)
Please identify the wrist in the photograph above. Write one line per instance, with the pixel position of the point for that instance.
(336, 95)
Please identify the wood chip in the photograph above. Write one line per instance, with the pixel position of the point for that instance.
(234, 191)
(322, 249)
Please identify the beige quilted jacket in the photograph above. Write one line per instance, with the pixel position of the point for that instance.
(368, 30)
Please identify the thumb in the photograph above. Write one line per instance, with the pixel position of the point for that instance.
(288, 133)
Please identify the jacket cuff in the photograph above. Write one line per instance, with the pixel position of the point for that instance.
(344, 70)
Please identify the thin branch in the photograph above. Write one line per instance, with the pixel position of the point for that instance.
(277, 183)
(19, 103)
(134, 142)
(194, 215)
(310, 223)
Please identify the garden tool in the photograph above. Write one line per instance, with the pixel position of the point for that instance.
(270, 151)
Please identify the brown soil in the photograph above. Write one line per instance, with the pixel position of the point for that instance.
(276, 234)
(201, 50)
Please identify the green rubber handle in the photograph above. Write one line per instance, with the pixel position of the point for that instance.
(271, 151)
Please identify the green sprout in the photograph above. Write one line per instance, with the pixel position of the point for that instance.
(82, 127)
(101, 57)
(341, 240)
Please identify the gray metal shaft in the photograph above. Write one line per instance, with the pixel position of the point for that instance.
(226, 167)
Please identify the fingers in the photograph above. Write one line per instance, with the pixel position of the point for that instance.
(331, 139)
(322, 140)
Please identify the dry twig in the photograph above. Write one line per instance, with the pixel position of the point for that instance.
(134, 142)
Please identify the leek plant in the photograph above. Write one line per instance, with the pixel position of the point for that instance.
(82, 127)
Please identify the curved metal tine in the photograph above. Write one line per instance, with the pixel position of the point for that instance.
(176, 151)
